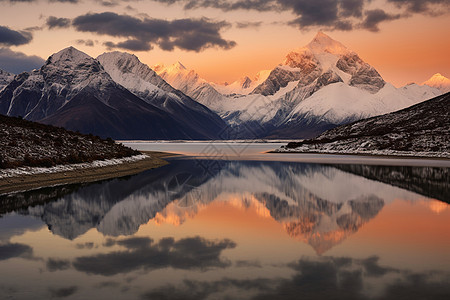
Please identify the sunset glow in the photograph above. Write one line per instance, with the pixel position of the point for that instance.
(404, 43)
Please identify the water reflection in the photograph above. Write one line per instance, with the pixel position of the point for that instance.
(259, 230)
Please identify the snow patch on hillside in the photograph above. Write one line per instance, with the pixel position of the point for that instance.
(5, 173)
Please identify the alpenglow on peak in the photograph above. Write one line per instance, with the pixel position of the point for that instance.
(324, 43)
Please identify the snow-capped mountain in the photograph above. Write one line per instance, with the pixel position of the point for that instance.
(72, 90)
(5, 78)
(440, 82)
(315, 88)
(127, 70)
(243, 86)
(190, 83)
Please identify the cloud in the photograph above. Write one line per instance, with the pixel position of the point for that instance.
(326, 14)
(51, 1)
(17, 62)
(423, 6)
(143, 253)
(333, 14)
(243, 25)
(374, 17)
(8, 251)
(187, 34)
(57, 264)
(65, 1)
(54, 22)
(352, 8)
(89, 43)
(63, 292)
(87, 245)
(10, 37)
(320, 278)
(133, 45)
(108, 3)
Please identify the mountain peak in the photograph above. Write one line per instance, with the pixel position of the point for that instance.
(69, 53)
(324, 43)
(439, 81)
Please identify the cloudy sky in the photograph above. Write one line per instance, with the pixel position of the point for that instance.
(223, 40)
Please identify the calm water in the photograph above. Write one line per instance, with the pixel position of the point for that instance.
(237, 227)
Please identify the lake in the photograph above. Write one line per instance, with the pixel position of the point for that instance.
(227, 221)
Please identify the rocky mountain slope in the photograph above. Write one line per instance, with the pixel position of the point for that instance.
(422, 129)
(72, 90)
(26, 143)
(440, 82)
(128, 71)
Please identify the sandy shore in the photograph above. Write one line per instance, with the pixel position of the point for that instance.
(30, 182)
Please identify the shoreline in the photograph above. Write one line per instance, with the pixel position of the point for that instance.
(27, 182)
(373, 155)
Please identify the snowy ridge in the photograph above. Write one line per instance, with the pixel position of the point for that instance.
(419, 130)
(128, 71)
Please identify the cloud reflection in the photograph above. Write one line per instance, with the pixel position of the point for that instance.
(143, 253)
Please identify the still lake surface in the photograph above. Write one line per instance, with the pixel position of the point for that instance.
(226, 221)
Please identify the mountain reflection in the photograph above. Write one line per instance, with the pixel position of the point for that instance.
(317, 204)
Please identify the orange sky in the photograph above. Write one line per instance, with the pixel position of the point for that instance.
(409, 49)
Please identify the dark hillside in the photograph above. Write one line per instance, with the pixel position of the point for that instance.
(26, 143)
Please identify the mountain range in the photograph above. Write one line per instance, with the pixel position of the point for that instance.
(315, 88)
(74, 91)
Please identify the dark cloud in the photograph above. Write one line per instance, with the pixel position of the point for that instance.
(10, 37)
(107, 284)
(374, 17)
(133, 45)
(17, 62)
(248, 263)
(242, 25)
(225, 5)
(108, 3)
(89, 43)
(57, 264)
(324, 278)
(198, 290)
(54, 22)
(372, 267)
(65, 1)
(63, 292)
(143, 253)
(87, 245)
(17, 1)
(187, 34)
(423, 6)
(8, 251)
(109, 242)
(325, 14)
(328, 13)
(352, 8)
